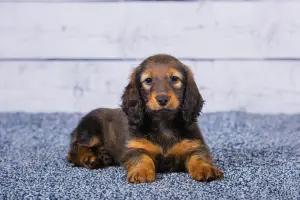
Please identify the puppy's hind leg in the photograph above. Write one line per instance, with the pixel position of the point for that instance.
(87, 149)
(83, 156)
(89, 157)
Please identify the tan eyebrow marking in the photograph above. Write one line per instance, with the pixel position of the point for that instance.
(145, 75)
(175, 72)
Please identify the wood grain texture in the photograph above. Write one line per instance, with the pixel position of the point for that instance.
(202, 29)
(227, 33)
(263, 87)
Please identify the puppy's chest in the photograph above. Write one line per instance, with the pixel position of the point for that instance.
(165, 138)
(169, 160)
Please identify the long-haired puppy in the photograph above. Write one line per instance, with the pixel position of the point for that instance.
(155, 130)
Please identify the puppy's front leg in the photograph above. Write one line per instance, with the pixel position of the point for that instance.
(140, 169)
(139, 160)
(199, 165)
(196, 160)
(201, 170)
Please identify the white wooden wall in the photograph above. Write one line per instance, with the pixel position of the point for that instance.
(68, 56)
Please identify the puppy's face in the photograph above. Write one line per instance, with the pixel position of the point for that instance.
(162, 86)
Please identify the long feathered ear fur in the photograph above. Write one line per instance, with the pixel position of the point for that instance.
(193, 101)
(132, 103)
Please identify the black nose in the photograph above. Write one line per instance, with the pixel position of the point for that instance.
(162, 99)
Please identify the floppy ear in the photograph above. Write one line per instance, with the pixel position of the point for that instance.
(193, 101)
(132, 103)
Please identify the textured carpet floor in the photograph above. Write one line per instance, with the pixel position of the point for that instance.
(260, 156)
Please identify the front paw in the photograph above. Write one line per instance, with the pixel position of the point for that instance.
(205, 172)
(200, 170)
(141, 176)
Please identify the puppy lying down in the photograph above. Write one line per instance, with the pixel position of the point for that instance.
(155, 130)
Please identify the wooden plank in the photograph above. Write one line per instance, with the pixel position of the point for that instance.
(110, 30)
(260, 87)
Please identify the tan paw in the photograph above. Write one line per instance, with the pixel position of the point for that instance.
(205, 172)
(89, 161)
(83, 157)
(141, 176)
(200, 170)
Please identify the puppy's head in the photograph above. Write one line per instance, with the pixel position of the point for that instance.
(161, 87)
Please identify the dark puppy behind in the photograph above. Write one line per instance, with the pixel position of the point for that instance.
(155, 130)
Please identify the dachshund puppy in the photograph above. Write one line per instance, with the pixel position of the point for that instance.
(155, 130)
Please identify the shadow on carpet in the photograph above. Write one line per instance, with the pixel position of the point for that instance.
(259, 154)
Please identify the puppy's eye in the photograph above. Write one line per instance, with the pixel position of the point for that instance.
(174, 79)
(148, 80)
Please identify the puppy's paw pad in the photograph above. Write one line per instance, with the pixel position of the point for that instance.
(206, 173)
(141, 176)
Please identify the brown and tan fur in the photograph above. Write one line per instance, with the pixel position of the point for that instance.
(155, 130)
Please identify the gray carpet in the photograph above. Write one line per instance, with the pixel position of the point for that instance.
(260, 156)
